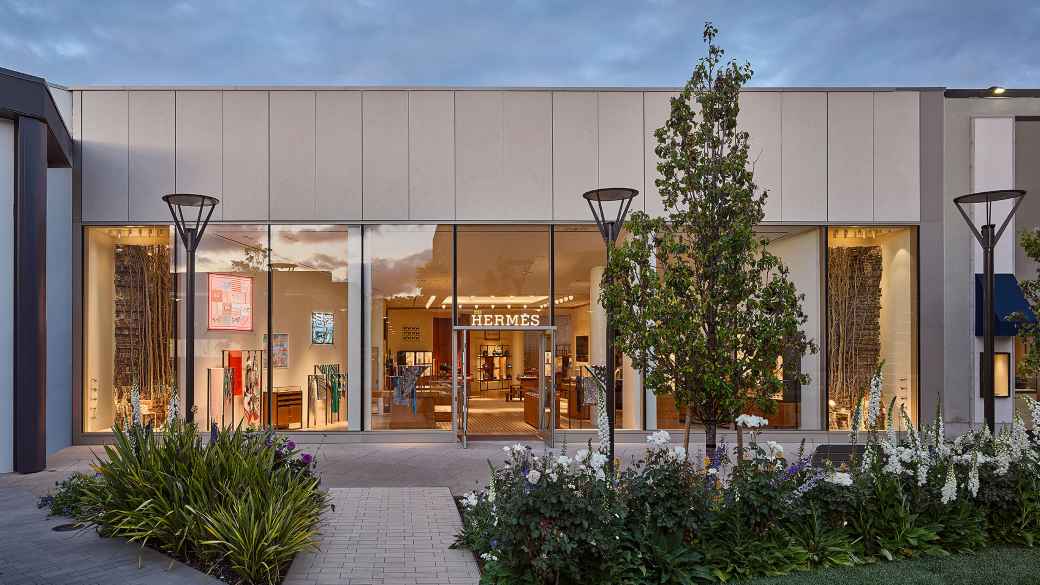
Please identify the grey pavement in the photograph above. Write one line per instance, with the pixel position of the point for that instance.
(387, 536)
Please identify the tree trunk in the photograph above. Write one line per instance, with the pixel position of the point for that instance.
(686, 432)
(740, 443)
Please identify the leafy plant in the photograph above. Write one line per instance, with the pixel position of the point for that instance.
(242, 501)
(69, 496)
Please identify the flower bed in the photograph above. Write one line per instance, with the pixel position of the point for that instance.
(554, 519)
(236, 504)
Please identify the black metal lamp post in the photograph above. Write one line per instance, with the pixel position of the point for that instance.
(988, 240)
(190, 231)
(618, 199)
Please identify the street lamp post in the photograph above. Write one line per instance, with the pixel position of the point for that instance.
(988, 238)
(620, 199)
(190, 231)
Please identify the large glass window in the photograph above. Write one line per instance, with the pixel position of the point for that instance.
(503, 280)
(409, 354)
(231, 295)
(309, 325)
(128, 324)
(872, 318)
(581, 332)
(799, 248)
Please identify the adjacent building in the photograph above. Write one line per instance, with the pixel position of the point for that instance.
(391, 264)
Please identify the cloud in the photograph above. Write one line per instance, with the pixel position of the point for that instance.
(523, 42)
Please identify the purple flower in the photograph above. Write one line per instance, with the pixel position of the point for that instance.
(290, 445)
(307, 458)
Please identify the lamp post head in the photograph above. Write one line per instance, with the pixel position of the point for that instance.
(988, 198)
(617, 200)
(190, 229)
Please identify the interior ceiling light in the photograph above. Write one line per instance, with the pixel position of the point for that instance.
(430, 301)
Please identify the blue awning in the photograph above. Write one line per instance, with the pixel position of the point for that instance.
(1007, 300)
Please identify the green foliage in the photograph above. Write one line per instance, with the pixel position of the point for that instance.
(244, 502)
(699, 302)
(1029, 333)
(69, 496)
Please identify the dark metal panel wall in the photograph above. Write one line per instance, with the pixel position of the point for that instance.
(30, 287)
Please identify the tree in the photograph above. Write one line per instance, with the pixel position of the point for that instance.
(1029, 330)
(699, 303)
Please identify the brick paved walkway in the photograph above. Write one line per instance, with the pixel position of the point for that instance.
(387, 536)
(33, 554)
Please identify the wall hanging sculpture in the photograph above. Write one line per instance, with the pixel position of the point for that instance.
(143, 327)
(854, 317)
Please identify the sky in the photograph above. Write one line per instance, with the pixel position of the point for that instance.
(948, 43)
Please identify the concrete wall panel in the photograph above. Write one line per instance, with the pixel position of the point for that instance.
(575, 152)
(245, 157)
(850, 157)
(105, 144)
(621, 142)
(431, 155)
(385, 157)
(656, 109)
(525, 191)
(338, 155)
(152, 148)
(293, 194)
(803, 157)
(760, 117)
(897, 156)
(479, 164)
(199, 144)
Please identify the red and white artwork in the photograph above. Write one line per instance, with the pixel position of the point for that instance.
(230, 302)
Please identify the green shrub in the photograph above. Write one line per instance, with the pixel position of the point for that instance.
(244, 501)
(69, 496)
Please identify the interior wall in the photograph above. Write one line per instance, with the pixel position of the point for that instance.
(898, 317)
(296, 295)
(801, 254)
(7, 146)
(98, 336)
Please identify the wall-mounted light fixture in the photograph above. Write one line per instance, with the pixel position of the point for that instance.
(1001, 374)
(996, 91)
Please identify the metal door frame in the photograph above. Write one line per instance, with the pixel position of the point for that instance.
(460, 392)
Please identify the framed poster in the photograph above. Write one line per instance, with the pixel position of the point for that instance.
(323, 328)
(279, 349)
(230, 302)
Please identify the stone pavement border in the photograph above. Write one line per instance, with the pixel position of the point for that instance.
(387, 536)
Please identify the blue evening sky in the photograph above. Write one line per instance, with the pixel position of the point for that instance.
(522, 42)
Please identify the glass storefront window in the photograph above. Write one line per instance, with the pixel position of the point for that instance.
(231, 294)
(581, 329)
(128, 324)
(309, 273)
(503, 280)
(872, 318)
(409, 354)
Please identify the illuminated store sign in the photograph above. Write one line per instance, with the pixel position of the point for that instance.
(512, 320)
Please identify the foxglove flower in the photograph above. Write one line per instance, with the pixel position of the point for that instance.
(874, 402)
(973, 476)
(949, 489)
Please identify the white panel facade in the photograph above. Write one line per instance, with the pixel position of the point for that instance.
(152, 144)
(385, 156)
(656, 109)
(803, 154)
(7, 147)
(431, 155)
(478, 153)
(105, 156)
(199, 150)
(245, 156)
(525, 191)
(850, 157)
(292, 156)
(620, 142)
(575, 152)
(897, 156)
(338, 155)
(760, 117)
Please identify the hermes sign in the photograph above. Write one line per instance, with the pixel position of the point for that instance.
(512, 320)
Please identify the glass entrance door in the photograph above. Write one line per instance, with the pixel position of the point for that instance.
(502, 381)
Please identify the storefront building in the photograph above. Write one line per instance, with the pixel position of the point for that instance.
(394, 264)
